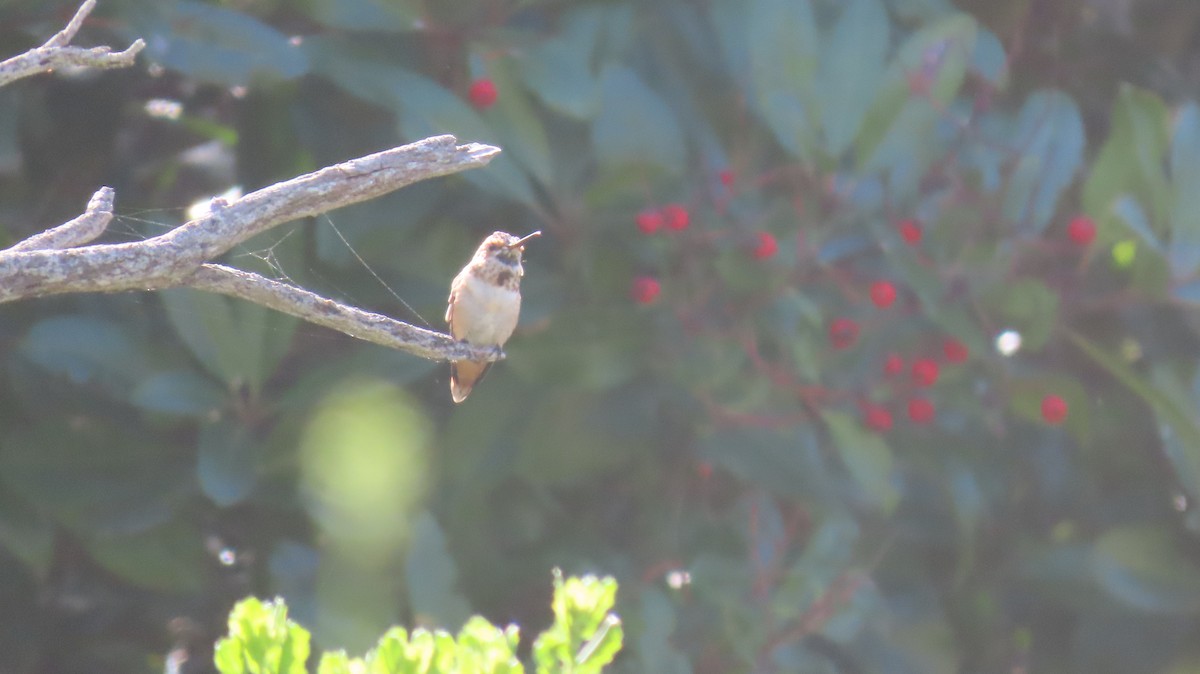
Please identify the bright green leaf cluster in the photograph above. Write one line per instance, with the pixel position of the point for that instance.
(261, 640)
(584, 638)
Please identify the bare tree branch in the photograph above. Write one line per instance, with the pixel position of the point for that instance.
(58, 261)
(40, 265)
(316, 309)
(75, 232)
(55, 53)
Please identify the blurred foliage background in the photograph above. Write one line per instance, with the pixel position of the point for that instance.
(863, 336)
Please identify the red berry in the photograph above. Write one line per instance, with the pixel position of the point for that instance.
(883, 293)
(843, 332)
(482, 93)
(1054, 409)
(645, 289)
(877, 418)
(726, 177)
(1081, 229)
(920, 410)
(649, 221)
(676, 217)
(894, 365)
(955, 351)
(925, 371)
(910, 231)
(919, 84)
(767, 246)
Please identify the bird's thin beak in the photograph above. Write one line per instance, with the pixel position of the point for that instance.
(521, 241)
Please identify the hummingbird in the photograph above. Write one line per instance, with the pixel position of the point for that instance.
(485, 301)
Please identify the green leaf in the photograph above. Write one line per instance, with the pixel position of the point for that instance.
(170, 558)
(86, 349)
(1184, 251)
(788, 464)
(1181, 429)
(1028, 306)
(1131, 159)
(1129, 211)
(1049, 136)
(227, 461)
(584, 636)
(337, 662)
(851, 70)
(867, 458)
(95, 477)
(1143, 567)
(262, 640)
(485, 648)
(1027, 393)
(431, 574)
(213, 43)
(784, 50)
(25, 533)
(368, 15)
(236, 341)
(990, 61)
(181, 392)
(634, 125)
(559, 70)
(656, 649)
(569, 439)
(516, 123)
(899, 125)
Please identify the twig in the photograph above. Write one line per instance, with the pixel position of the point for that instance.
(77, 232)
(316, 309)
(55, 53)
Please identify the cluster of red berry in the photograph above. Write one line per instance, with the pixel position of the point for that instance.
(843, 333)
(676, 218)
(923, 374)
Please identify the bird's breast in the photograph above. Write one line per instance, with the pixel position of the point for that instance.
(485, 313)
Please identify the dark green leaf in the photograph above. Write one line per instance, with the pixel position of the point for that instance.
(25, 533)
(867, 458)
(851, 70)
(1184, 251)
(94, 477)
(1028, 392)
(431, 574)
(181, 392)
(559, 69)
(170, 558)
(1131, 159)
(86, 349)
(1144, 567)
(1049, 136)
(369, 15)
(784, 49)
(1177, 415)
(899, 126)
(217, 44)
(227, 461)
(1029, 307)
(635, 126)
